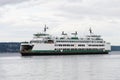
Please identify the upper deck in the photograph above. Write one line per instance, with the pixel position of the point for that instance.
(44, 37)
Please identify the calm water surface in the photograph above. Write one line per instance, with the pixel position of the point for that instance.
(70, 67)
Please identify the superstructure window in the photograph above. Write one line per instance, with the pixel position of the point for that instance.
(36, 41)
(72, 45)
(95, 45)
(64, 44)
(81, 44)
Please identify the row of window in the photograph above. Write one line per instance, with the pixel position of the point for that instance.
(81, 44)
(96, 45)
(38, 41)
(75, 45)
(79, 49)
(83, 41)
(64, 44)
(69, 45)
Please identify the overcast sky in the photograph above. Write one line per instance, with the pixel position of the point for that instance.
(19, 19)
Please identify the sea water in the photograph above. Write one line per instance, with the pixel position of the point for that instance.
(13, 66)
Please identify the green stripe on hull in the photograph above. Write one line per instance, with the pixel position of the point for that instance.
(64, 52)
(69, 51)
(43, 50)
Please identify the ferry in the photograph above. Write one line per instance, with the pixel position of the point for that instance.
(45, 44)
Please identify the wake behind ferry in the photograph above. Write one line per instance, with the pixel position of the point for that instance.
(45, 44)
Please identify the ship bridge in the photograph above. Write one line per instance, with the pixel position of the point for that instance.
(41, 35)
(42, 38)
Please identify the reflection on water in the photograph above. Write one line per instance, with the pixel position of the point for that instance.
(65, 67)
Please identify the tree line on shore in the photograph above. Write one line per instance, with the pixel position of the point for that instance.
(9, 47)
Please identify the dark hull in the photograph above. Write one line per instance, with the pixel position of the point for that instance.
(38, 54)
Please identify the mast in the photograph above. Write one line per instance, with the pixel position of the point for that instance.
(91, 32)
(45, 28)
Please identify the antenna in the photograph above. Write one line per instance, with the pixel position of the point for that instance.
(76, 32)
(90, 30)
(62, 32)
(45, 28)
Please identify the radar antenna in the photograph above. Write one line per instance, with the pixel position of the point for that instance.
(63, 33)
(74, 33)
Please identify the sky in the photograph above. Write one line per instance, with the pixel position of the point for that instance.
(20, 19)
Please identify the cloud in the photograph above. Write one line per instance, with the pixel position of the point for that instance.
(20, 18)
(7, 2)
(88, 8)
